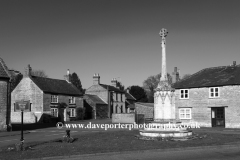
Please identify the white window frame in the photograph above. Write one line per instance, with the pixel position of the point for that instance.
(54, 112)
(54, 99)
(72, 100)
(213, 93)
(183, 96)
(72, 112)
(183, 112)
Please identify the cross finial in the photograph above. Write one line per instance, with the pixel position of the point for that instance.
(163, 33)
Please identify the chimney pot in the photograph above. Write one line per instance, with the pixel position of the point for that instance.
(234, 63)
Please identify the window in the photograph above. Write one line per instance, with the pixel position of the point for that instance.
(116, 97)
(54, 112)
(54, 99)
(72, 100)
(72, 112)
(185, 113)
(214, 92)
(184, 93)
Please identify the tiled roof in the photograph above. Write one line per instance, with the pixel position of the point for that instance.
(210, 77)
(132, 106)
(129, 96)
(95, 99)
(4, 70)
(146, 104)
(110, 88)
(56, 86)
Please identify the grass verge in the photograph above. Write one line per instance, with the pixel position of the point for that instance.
(112, 141)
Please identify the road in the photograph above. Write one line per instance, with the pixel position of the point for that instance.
(231, 153)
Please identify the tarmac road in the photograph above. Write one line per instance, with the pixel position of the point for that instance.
(211, 153)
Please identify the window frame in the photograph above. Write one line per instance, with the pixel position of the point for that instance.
(184, 113)
(71, 111)
(184, 94)
(214, 92)
(72, 100)
(55, 111)
(54, 97)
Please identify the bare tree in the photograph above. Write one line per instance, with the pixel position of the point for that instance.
(39, 73)
(151, 83)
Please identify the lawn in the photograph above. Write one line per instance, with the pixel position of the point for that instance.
(112, 141)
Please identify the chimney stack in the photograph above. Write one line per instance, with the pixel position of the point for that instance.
(114, 82)
(68, 76)
(175, 75)
(234, 63)
(96, 79)
(28, 71)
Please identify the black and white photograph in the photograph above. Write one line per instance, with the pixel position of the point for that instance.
(120, 79)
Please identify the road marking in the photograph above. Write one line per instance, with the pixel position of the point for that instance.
(10, 140)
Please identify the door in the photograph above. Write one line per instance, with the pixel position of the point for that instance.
(218, 117)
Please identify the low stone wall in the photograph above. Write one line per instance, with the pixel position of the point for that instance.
(146, 109)
(123, 117)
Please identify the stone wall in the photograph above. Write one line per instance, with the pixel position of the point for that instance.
(103, 94)
(99, 91)
(27, 90)
(3, 103)
(123, 118)
(201, 104)
(146, 109)
(40, 102)
(61, 99)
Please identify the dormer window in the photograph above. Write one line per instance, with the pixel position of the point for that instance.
(214, 92)
(184, 93)
(54, 99)
(72, 100)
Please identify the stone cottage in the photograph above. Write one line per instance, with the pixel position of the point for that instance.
(5, 78)
(46, 97)
(129, 102)
(210, 97)
(104, 100)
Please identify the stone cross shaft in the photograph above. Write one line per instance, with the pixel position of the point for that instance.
(163, 34)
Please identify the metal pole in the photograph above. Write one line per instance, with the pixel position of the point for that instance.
(22, 127)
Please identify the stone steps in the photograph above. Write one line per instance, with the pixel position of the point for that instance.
(166, 133)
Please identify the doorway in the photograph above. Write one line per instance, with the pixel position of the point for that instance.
(218, 117)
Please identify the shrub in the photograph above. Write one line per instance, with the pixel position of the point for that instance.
(80, 113)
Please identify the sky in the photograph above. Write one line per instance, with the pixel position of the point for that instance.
(118, 38)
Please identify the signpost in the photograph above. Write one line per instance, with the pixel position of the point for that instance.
(22, 106)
